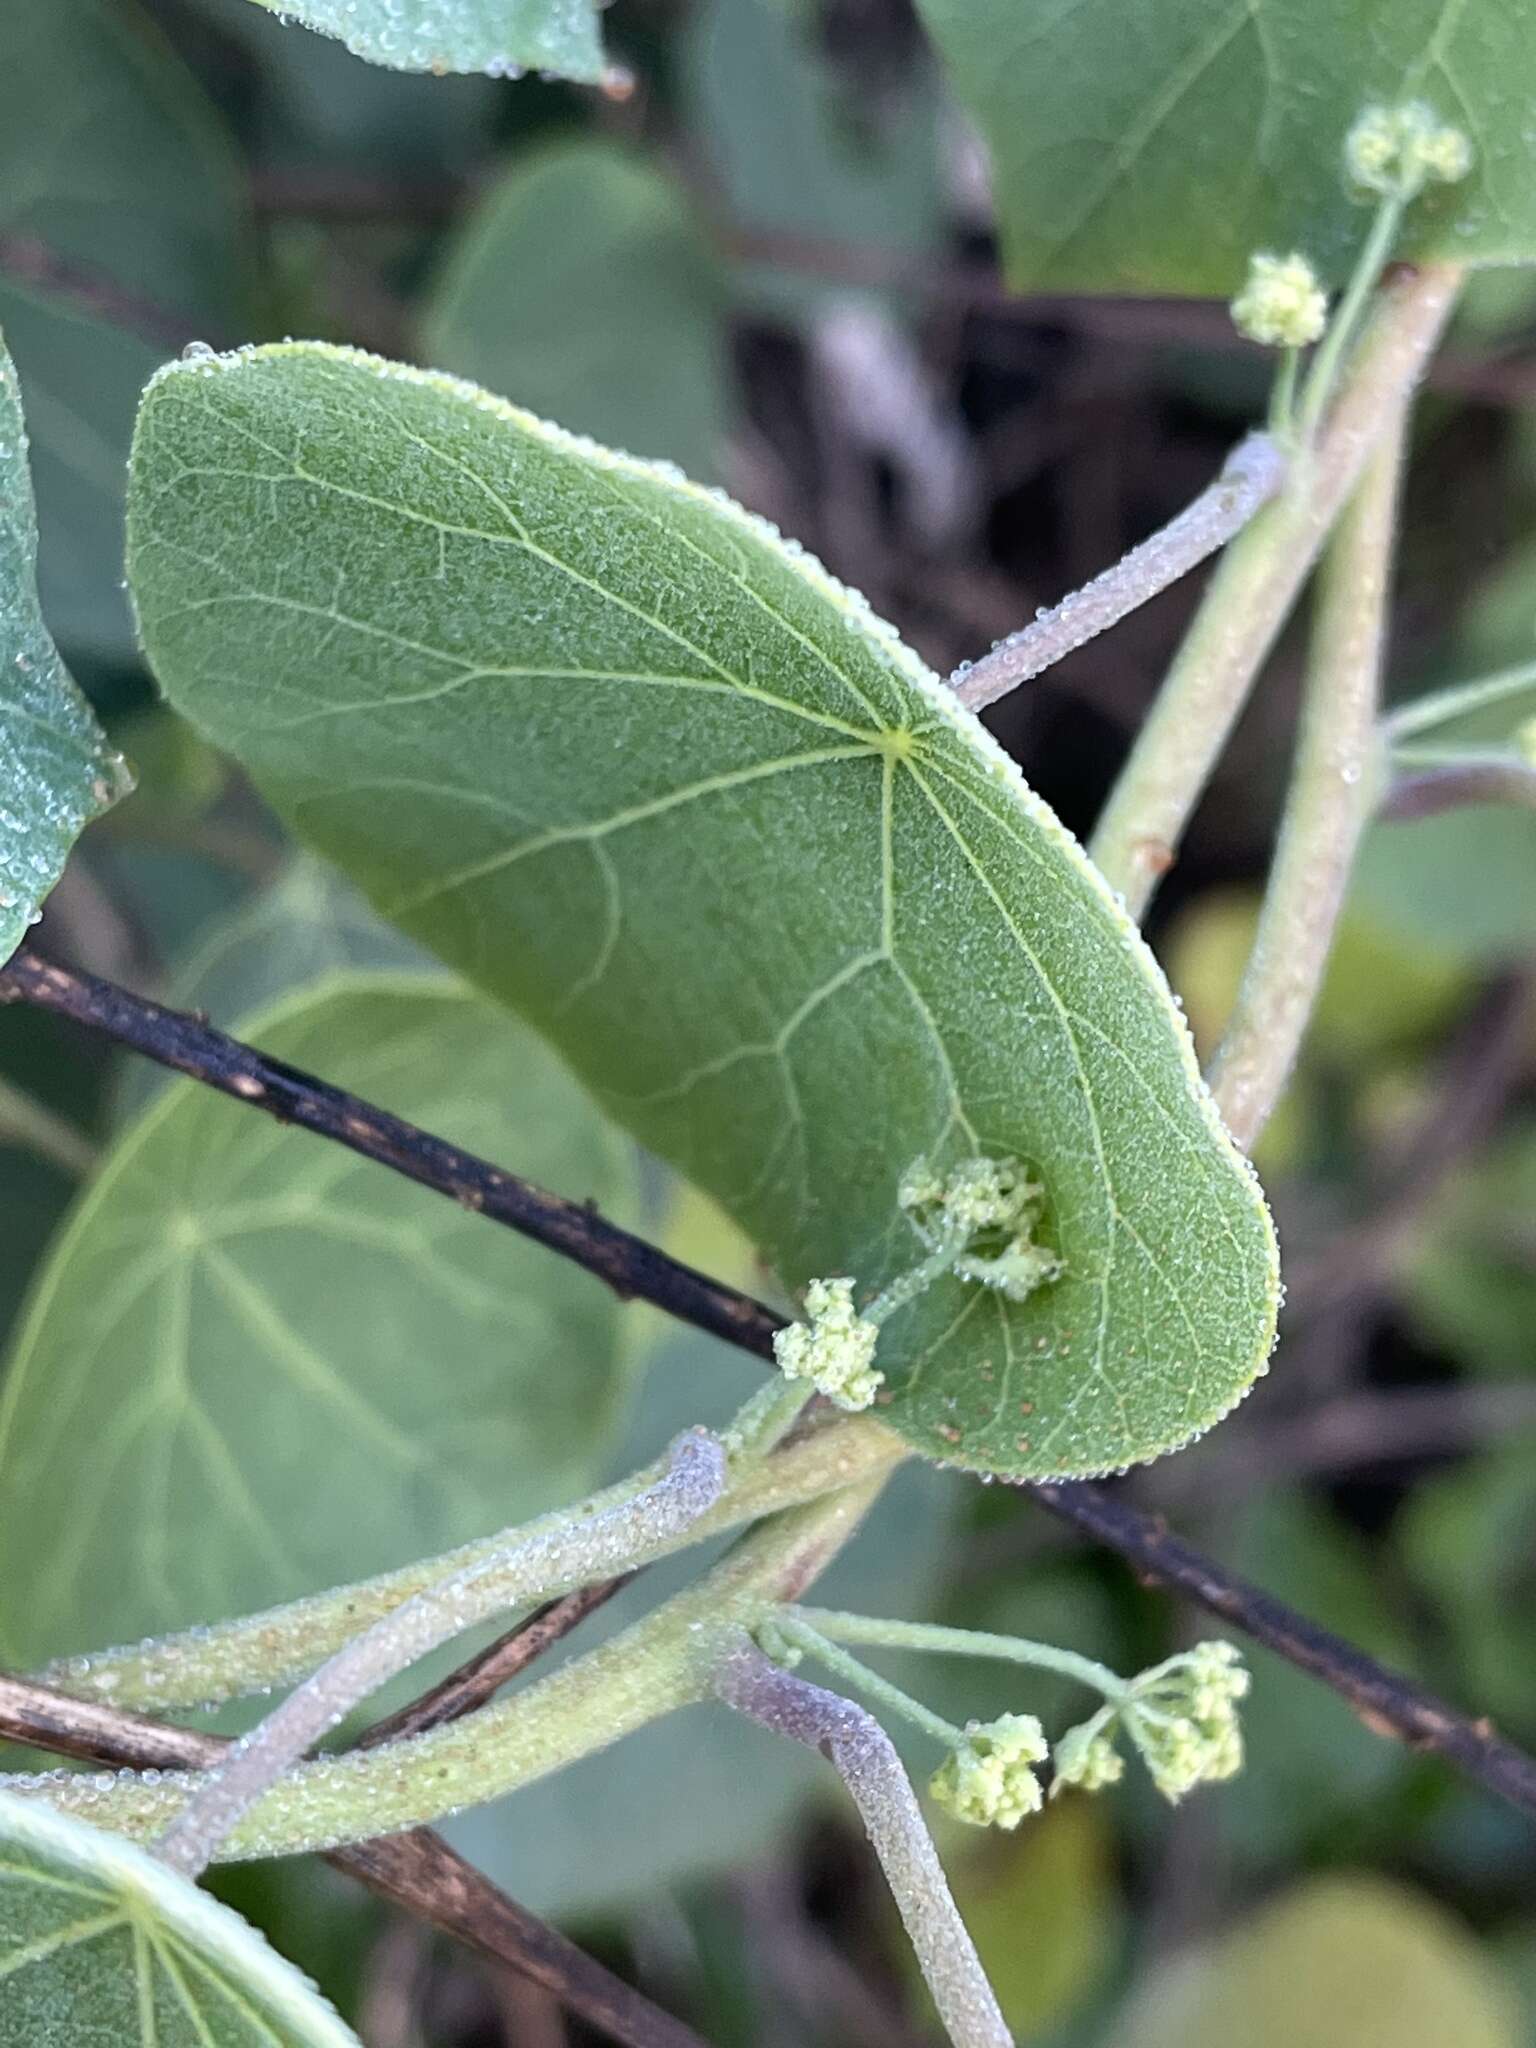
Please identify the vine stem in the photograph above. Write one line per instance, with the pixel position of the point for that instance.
(1253, 473)
(665, 1661)
(875, 1632)
(1333, 791)
(588, 1548)
(865, 1758)
(1253, 590)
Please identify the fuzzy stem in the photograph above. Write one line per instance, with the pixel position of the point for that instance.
(862, 1753)
(1323, 375)
(1439, 707)
(691, 1484)
(1252, 475)
(1252, 592)
(801, 1636)
(202, 1666)
(1331, 799)
(665, 1661)
(878, 1633)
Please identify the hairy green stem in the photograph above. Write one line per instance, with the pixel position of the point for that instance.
(1439, 707)
(590, 1548)
(1323, 374)
(1331, 799)
(202, 1666)
(1252, 591)
(799, 1635)
(665, 1661)
(1253, 473)
(877, 1633)
(858, 1747)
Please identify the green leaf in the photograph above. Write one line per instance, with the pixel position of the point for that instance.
(56, 769)
(99, 1941)
(584, 289)
(501, 37)
(1153, 148)
(113, 170)
(1458, 884)
(605, 743)
(800, 152)
(1337, 1962)
(256, 1365)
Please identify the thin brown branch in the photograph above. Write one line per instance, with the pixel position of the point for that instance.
(1389, 1702)
(418, 1871)
(190, 1045)
(1385, 1701)
(473, 1683)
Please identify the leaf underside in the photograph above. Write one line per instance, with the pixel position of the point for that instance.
(255, 1364)
(1154, 147)
(100, 1942)
(503, 37)
(642, 770)
(56, 769)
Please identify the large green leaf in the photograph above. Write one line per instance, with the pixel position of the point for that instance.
(501, 37)
(583, 288)
(256, 1365)
(99, 1941)
(56, 769)
(112, 167)
(607, 744)
(1153, 147)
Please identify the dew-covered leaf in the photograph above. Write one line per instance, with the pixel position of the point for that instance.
(1154, 147)
(99, 1941)
(255, 1364)
(118, 201)
(582, 287)
(501, 37)
(645, 772)
(56, 770)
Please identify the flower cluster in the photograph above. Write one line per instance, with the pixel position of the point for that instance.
(981, 1217)
(1181, 1716)
(1396, 151)
(833, 1348)
(988, 1778)
(1282, 304)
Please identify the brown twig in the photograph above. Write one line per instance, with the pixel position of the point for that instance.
(1389, 1702)
(1386, 1702)
(418, 1871)
(190, 1045)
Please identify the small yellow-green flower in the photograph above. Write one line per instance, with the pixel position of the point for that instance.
(1282, 304)
(985, 1212)
(833, 1348)
(1397, 151)
(1181, 1717)
(989, 1780)
(1086, 1756)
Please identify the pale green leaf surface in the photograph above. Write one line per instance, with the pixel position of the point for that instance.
(1337, 1962)
(612, 749)
(110, 161)
(56, 769)
(582, 287)
(1154, 147)
(256, 1365)
(502, 37)
(99, 1942)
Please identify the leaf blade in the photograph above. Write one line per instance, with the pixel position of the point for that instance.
(868, 941)
(1176, 139)
(503, 37)
(301, 1367)
(57, 771)
(99, 1935)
